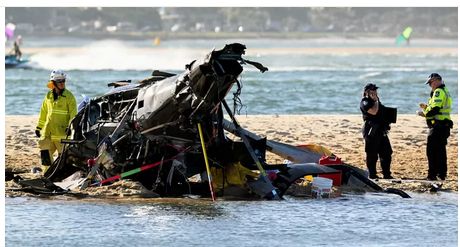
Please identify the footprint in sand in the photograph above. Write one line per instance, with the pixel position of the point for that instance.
(14, 126)
(283, 133)
(26, 131)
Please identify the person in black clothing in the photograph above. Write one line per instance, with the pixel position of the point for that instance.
(375, 130)
(16, 51)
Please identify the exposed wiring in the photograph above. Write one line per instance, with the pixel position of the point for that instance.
(237, 103)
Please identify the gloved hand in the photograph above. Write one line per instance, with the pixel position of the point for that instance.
(37, 133)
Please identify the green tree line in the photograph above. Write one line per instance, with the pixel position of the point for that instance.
(285, 19)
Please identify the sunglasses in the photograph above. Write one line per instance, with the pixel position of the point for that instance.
(431, 81)
(60, 81)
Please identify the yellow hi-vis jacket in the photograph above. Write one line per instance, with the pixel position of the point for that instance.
(55, 115)
(440, 98)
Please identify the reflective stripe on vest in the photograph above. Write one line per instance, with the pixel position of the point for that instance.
(442, 114)
(445, 110)
(57, 138)
(59, 112)
(445, 106)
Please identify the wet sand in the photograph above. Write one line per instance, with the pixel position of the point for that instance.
(341, 134)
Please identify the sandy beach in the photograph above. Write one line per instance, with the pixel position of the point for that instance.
(341, 134)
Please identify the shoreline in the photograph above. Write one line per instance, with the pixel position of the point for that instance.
(341, 134)
(167, 35)
(275, 50)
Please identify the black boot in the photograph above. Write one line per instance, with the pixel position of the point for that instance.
(46, 160)
(373, 176)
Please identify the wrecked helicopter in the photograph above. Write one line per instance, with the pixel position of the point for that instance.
(165, 129)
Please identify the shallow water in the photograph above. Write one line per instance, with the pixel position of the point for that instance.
(350, 220)
(294, 84)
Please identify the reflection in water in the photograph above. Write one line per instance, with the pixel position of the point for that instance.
(351, 220)
(172, 210)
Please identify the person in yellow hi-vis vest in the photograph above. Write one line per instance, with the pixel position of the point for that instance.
(58, 109)
(437, 115)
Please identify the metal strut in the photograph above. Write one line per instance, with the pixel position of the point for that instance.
(106, 143)
(251, 151)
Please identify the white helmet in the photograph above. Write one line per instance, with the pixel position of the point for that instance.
(58, 75)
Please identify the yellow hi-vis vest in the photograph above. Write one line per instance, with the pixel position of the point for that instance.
(55, 115)
(440, 98)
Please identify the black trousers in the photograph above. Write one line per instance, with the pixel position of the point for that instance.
(436, 151)
(378, 146)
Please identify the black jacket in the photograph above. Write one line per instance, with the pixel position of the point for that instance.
(373, 124)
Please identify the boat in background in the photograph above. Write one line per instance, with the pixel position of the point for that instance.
(11, 62)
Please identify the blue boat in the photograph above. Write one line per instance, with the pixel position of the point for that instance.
(11, 62)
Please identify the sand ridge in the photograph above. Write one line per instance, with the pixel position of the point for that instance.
(341, 134)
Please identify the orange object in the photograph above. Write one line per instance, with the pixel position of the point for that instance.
(336, 177)
(310, 147)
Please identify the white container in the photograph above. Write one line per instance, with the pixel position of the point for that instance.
(321, 187)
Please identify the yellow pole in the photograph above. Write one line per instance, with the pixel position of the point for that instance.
(211, 186)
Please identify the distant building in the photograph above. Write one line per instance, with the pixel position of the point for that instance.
(59, 19)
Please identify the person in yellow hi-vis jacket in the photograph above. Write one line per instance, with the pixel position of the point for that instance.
(58, 109)
(437, 115)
